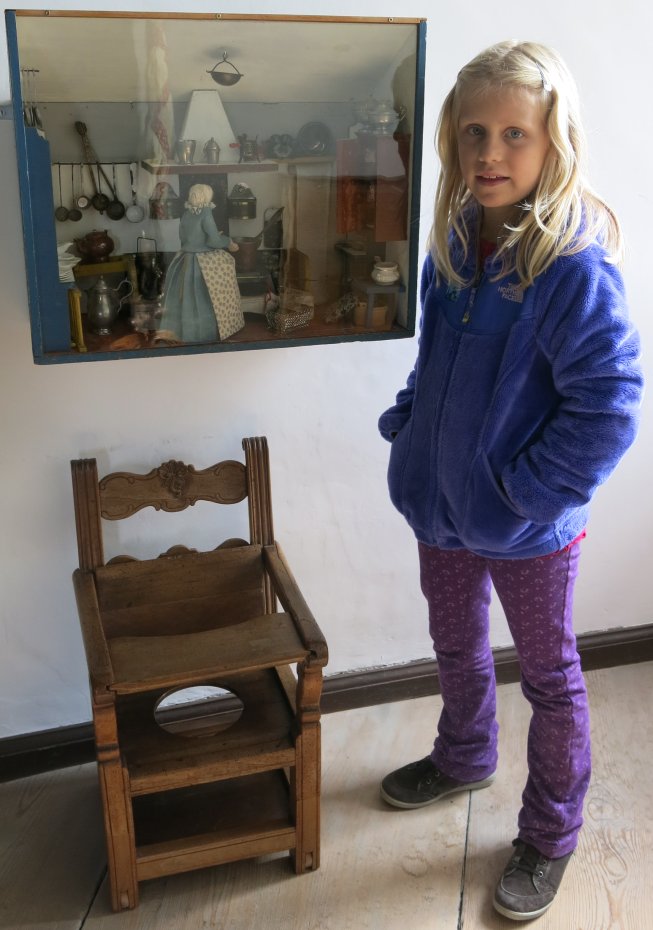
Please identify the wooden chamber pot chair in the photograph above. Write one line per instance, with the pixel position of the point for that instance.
(173, 801)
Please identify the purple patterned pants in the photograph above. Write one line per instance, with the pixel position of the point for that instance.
(536, 595)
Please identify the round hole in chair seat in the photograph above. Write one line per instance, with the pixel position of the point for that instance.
(202, 710)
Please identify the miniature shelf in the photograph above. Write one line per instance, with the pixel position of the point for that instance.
(206, 168)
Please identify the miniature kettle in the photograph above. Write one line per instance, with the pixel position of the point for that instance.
(103, 304)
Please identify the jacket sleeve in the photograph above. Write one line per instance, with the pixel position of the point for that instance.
(398, 415)
(594, 353)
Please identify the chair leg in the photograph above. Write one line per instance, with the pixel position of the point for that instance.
(305, 787)
(119, 830)
(306, 784)
(116, 805)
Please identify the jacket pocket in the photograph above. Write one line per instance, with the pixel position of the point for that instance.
(397, 464)
(490, 522)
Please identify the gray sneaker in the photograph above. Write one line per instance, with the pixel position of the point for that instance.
(420, 783)
(529, 883)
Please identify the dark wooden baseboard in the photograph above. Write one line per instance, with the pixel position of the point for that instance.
(418, 679)
(72, 745)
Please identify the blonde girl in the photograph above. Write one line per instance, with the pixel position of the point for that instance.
(523, 398)
(562, 214)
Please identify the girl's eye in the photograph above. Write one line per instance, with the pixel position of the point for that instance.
(515, 134)
(474, 131)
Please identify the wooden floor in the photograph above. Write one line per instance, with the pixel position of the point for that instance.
(382, 869)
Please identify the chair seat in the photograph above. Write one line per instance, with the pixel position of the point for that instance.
(143, 663)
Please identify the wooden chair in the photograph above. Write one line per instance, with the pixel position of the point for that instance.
(173, 801)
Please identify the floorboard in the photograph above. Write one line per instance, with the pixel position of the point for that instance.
(52, 854)
(607, 884)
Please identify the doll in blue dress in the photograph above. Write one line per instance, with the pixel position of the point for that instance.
(202, 299)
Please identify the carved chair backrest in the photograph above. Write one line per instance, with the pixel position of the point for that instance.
(172, 487)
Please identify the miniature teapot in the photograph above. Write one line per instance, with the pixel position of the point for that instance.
(95, 246)
(103, 305)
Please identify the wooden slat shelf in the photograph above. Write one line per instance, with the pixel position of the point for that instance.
(203, 169)
(195, 827)
(261, 740)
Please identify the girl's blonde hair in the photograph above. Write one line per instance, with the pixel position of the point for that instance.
(564, 214)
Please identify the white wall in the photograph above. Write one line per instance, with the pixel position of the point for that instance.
(351, 552)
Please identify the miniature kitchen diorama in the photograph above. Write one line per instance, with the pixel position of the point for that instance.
(216, 182)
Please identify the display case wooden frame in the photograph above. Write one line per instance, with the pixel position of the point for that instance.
(327, 144)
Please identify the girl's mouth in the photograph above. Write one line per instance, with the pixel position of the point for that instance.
(490, 179)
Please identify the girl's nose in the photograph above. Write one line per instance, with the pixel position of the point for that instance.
(489, 149)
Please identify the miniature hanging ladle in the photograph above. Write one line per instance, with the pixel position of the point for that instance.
(135, 212)
(74, 214)
(61, 213)
(99, 200)
(116, 209)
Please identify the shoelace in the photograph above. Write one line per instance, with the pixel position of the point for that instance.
(528, 860)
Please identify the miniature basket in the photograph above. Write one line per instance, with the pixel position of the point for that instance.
(291, 309)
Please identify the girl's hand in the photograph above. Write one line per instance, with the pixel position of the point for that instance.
(233, 246)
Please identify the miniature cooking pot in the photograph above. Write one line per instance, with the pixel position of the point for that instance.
(246, 255)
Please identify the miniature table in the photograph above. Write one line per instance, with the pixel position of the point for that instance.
(371, 289)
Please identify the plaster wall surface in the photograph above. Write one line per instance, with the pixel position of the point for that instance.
(351, 552)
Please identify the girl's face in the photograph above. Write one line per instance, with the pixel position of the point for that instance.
(502, 146)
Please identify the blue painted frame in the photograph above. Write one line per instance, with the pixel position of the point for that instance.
(48, 297)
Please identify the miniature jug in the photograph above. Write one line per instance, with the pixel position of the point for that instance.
(103, 304)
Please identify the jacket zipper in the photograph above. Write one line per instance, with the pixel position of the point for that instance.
(471, 300)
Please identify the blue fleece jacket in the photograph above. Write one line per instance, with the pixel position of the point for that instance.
(521, 403)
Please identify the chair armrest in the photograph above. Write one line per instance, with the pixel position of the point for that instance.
(95, 644)
(287, 590)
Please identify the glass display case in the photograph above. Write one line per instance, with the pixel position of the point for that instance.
(216, 182)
